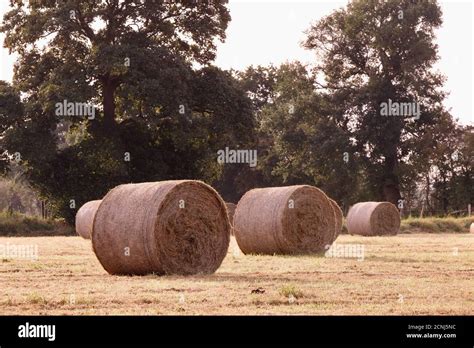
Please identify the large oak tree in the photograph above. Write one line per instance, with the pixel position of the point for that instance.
(88, 49)
(370, 52)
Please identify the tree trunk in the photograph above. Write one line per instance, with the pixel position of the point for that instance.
(427, 192)
(108, 91)
(391, 191)
(445, 196)
(391, 187)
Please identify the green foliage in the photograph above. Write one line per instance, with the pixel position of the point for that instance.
(371, 54)
(11, 109)
(17, 196)
(453, 156)
(291, 290)
(23, 225)
(436, 225)
(300, 141)
(259, 82)
(98, 48)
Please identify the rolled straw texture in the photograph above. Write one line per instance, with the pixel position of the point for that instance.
(85, 218)
(373, 219)
(284, 220)
(169, 227)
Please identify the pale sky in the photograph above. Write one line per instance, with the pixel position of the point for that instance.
(270, 31)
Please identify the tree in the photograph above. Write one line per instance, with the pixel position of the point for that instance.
(305, 143)
(452, 163)
(11, 109)
(80, 50)
(373, 52)
(259, 82)
(225, 115)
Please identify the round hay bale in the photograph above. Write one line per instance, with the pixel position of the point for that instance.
(169, 227)
(471, 229)
(373, 219)
(339, 217)
(284, 220)
(85, 218)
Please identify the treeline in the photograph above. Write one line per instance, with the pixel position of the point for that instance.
(163, 111)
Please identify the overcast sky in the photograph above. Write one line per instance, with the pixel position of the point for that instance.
(270, 31)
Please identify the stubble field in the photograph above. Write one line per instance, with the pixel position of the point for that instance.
(405, 274)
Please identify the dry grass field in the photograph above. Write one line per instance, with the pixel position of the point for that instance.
(406, 274)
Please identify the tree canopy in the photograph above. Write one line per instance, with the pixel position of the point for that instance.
(374, 52)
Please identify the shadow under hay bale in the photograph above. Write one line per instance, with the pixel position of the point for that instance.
(284, 220)
(169, 227)
(373, 219)
(85, 218)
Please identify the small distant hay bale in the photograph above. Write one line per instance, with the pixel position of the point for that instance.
(339, 218)
(169, 227)
(85, 218)
(230, 212)
(373, 219)
(284, 220)
(471, 229)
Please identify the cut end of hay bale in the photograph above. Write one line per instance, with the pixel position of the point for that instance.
(284, 220)
(471, 229)
(85, 218)
(373, 219)
(169, 227)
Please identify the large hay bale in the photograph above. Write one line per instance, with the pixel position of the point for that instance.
(168, 227)
(85, 218)
(373, 219)
(339, 217)
(284, 220)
